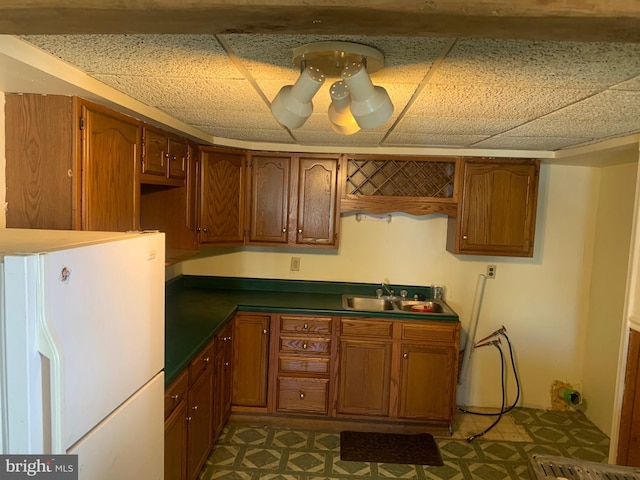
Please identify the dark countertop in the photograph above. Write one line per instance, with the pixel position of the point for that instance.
(196, 308)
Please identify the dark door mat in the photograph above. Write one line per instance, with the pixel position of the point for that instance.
(420, 449)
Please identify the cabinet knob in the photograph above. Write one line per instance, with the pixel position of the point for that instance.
(304, 346)
(205, 230)
(284, 230)
(299, 230)
(194, 408)
(264, 332)
(205, 360)
(188, 419)
(226, 364)
(306, 326)
(175, 397)
(301, 396)
(405, 355)
(198, 229)
(464, 237)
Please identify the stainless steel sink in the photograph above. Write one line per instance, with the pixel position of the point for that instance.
(387, 304)
(366, 303)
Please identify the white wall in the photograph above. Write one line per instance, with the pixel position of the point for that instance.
(607, 291)
(541, 300)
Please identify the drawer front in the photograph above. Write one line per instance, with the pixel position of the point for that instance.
(202, 362)
(308, 395)
(313, 325)
(366, 328)
(313, 366)
(305, 345)
(431, 332)
(175, 393)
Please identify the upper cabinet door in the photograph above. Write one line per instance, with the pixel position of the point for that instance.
(269, 180)
(317, 201)
(222, 196)
(497, 211)
(155, 153)
(110, 153)
(178, 154)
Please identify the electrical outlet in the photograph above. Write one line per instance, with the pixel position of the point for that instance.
(491, 271)
(295, 264)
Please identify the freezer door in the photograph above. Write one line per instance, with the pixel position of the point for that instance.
(129, 443)
(103, 311)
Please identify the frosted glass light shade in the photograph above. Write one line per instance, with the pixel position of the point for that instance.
(339, 111)
(292, 105)
(370, 105)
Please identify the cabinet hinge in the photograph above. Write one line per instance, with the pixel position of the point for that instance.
(81, 123)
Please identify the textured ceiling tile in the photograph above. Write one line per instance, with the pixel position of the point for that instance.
(329, 137)
(257, 135)
(180, 92)
(155, 55)
(455, 126)
(491, 102)
(590, 118)
(537, 63)
(633, 84)
(504, 142)
(417, 140)
(216, 117)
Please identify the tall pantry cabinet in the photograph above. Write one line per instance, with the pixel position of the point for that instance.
(84, 154)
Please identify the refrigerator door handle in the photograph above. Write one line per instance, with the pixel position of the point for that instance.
(49, 346)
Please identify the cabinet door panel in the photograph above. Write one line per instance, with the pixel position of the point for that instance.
(155, 152)
(222, 197)
(269, 205)
(177, 158)
(200, 415)
(364, 378)
(250, 360)
(110, 192)
(175, 444)
(629, 439)
(317, 194)
(427, 385)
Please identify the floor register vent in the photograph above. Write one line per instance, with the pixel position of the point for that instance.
(543, 467)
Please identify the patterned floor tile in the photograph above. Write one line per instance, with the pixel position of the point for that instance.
(500, 451)
(449, 471)
(222, 474)
(306, 462)
(249, 436)
(224, 455)
(488, 471)
(261, 458)
(290, 438)
(340, 467)
(456, 449)
(326, 441)
(590, 436)
(396, 470)
(548, 434)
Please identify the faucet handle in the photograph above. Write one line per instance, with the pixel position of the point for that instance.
(403, 294)
(379, 292)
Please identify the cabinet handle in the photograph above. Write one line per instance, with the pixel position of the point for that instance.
(175, 397)
(188, 419)
(194, 408)
(198, 229)
(304, 346)
(405, 355)
(301, 396)
(306, 326)
(264, 332)
(205, 360)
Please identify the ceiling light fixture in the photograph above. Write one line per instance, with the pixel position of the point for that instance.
(356, 102)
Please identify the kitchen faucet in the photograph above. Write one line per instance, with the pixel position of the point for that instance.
(388, 289)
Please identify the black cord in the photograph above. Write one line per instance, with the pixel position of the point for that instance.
(515, 374)
(502, 381)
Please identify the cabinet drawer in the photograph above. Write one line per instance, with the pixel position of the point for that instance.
(175, 393)
(304, 345)
(305, 324)
(201, 362)
(366, 328)
(302, 395)
(431, 332)
(298, 364)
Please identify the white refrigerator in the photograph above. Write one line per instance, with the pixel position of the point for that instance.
(82, 349)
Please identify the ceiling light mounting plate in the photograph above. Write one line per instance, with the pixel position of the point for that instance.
(331, 57)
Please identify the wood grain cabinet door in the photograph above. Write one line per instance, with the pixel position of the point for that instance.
(110, 190)
(155, 154)
(175, 444)
(200, 422)
(365, 370)
(498, 209)
(250, 360)
(427, 382)
(269, 179)
(317, 201)
(221, 196)
(629, 437)
(178, 153)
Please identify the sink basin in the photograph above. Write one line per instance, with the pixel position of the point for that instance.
(386, 304)
(367, 303)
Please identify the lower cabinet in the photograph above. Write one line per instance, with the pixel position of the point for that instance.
(629, 436)
(250, 360)
(405, 370)
(189, 408)
(223, 377)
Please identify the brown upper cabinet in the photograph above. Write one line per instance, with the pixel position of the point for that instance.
(70, 164)
(164, 157)
(221, 196)
(497, 210)
(293, 199)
